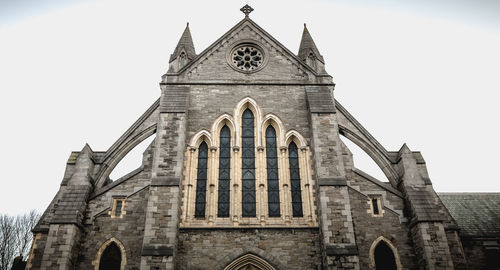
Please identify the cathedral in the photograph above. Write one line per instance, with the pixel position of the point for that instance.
(247, 170)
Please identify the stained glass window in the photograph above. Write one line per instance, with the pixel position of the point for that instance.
(224, 172)
(248, 164)
(293, 158)
(273, 192)
(201, 181)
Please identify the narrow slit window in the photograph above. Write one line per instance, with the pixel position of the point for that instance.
(376, 211)
(273, 192)
(376, 204)
(248, 164)
(293, 158)
(224, 172)
(201, 181)
(118, 208)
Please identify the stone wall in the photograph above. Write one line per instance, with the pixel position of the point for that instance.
(129, 229)
(208, 102)
(214, 249)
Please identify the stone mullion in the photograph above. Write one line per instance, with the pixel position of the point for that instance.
(235, 186)
(211, 175)
(307, 179)
(189, 184)
(284, 183)
(260, 185)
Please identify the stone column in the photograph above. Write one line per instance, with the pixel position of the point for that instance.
(338, 245)
(163, 208)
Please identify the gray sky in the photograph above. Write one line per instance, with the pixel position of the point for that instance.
(421, 72)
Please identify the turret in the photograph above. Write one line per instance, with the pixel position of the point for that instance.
(184, 51)
(309, 53)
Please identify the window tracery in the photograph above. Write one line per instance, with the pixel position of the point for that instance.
(247, 181)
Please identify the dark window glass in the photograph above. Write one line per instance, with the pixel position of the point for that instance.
(293, 158)
(224, 172)
(273, 189)
(118, 208)
(248, 164)
(201, 181)
(376, 211)
(111, 258)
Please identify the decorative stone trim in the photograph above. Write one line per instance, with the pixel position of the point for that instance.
(235, 219)
(247, 56)
(249, 259)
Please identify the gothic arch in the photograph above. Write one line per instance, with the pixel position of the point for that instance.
(103, 247)
(273, 120)
(293, 135)
(202, 135)
(222, 120)
(390, 245)
(249, 260)
(248, 103)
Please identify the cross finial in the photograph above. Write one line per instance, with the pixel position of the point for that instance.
(246, 9)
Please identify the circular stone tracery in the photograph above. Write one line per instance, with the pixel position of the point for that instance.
(247, 57)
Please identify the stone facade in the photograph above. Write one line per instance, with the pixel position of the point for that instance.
(332, 215)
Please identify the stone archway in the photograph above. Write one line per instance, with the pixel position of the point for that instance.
(249, 262)
(384, 255)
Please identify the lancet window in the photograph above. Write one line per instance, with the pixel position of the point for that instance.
(273, 187)
(247, 170)
(224, 172)
(201, 180)
(293, 158)
(248, 164)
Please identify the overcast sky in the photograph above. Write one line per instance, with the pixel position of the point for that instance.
(75, 71)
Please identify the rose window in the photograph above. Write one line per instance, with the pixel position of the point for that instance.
(247, 58)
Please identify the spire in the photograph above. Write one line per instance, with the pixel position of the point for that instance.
(307, 45)
(186, 44)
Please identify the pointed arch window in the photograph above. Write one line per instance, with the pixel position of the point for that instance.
(224, 172)
(293, 159)
(273, 192)
(248, 164)
(201, 180)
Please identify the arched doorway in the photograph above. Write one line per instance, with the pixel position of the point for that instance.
(384, 255)
(249, 262)
(110, 256)
(384, 258)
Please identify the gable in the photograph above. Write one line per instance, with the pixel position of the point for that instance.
(279, 64)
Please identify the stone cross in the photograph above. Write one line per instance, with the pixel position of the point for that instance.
(246, 9)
